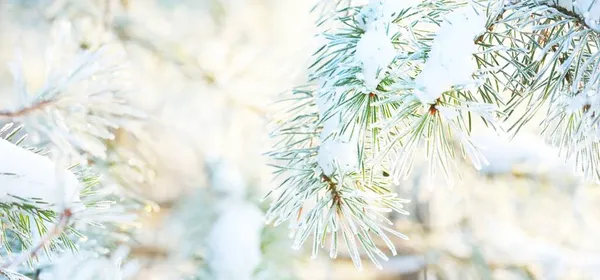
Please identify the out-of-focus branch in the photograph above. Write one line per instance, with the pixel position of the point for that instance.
(124, 29)
(185, 62)
(26, 110)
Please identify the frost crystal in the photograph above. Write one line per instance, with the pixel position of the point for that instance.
(450, 61)
(31, 176)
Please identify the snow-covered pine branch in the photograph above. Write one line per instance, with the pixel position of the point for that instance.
(587, 11)
(398, 80)
(31, 176)
(48, 209)
(552, 66)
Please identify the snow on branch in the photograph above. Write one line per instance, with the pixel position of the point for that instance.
(46, 207)
(34, 177)
(395, 81)
(587, 11)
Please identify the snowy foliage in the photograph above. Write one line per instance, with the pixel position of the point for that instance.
(51, 209)
(395, 89)
(450, 61)
(375, 51)
(588, 10)
(397, 81)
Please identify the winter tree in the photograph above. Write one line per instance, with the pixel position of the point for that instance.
(130, 147)
(393, 82)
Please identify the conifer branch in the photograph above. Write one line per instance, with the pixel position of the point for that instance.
(393, 79)
(59, 227)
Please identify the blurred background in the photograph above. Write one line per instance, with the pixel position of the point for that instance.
(207, 72)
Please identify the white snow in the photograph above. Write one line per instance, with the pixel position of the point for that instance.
(587, 102)
(589, 10)
(334, 153)
(524, 151)
(28, 175)
(567, 4)
(448, 113)
(234, 241)
(331, 127)
(450, 61)
(228, 180)
(375, 52)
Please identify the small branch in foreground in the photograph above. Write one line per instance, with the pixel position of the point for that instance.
(63, 221)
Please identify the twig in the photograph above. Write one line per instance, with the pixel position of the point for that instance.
(332, 188)
(63, 221)
(24, 111)
(13, 275)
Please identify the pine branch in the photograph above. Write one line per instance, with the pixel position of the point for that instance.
(58, 229)
(26, 217)
(393, 82)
